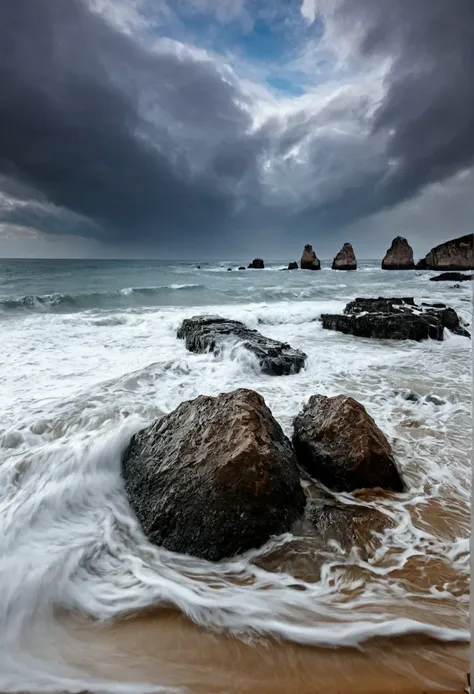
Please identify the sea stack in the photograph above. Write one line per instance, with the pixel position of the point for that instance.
(257, 264)
(457, 254)
(345, 259)
(309, 259)
(399, 256)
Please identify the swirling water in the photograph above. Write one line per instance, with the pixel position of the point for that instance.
(89, 355)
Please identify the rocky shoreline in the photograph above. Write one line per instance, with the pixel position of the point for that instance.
(217, 476)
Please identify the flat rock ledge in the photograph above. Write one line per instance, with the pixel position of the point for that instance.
(210, 333)
(395, 319)
(452, 277)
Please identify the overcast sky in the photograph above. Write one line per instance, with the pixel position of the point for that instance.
(232, 128)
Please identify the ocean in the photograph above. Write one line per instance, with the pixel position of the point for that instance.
(88, 356)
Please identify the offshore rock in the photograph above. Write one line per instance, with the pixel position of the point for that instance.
(399, 256)
(292, 266)
(210, 333)
(257, 264)
(452, 277)
(309, 259)
(457, 254)
(339, 444)
(214, 478)
(345, 259)
(395, 319)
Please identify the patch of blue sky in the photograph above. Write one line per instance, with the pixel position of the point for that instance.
(285, 86)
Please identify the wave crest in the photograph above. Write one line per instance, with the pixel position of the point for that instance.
(121, 298)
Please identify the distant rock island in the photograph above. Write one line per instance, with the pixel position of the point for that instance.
(399, 256)
(309, 259)
(345, 259)
(257, 264)
(457, 254)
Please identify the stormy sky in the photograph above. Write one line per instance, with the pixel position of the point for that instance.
(223, 128)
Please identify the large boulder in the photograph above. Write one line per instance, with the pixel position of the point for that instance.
(210, 333)
(214, 478)
(452, 277)
(395, 319)
(292, 266)
(345, 259)
(309, 259)
(399, 256)
(257, 264)
(457, 254)
(338, 443)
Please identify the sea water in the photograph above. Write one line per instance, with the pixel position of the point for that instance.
(89, 355)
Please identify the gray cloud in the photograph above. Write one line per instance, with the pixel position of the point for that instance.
(428, 109)
(93, 122)
(109, 138)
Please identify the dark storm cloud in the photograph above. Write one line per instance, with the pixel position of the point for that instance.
(104, 128)
(428, 109)
(108, 138)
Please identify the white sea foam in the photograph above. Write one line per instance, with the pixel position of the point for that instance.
(72, 396)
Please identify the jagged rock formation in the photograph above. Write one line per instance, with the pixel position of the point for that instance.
(309, 259)
(457, 254)
(210, 333)
(395, 319)
(345, 259)
(399, 256)
(292, 266)
(214, 478)
(257, 264)
(338, 443)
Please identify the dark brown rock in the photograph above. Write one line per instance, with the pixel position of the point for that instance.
(452, 277)
(242, 268)
(457, 254)
(399, 256)
(338, 443)
(214, 478)
(257, 264)
(309, 259)
(349, 525)
(345, 259)
(395, 319)
(292, 266)
(210, 333)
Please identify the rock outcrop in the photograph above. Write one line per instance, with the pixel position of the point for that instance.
(395, 319)
(345, 259)
(309, 259)
(242, 268)
(457, 254)
(292, 266)
(399, 256)
(257, 264)
(338, 443)
(452, 277)
(210, 333)
(214, 478)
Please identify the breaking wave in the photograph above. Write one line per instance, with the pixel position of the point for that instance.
(122, 298)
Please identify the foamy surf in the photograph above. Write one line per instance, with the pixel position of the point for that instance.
(68, 541)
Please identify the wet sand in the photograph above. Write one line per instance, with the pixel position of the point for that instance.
(163, 647)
